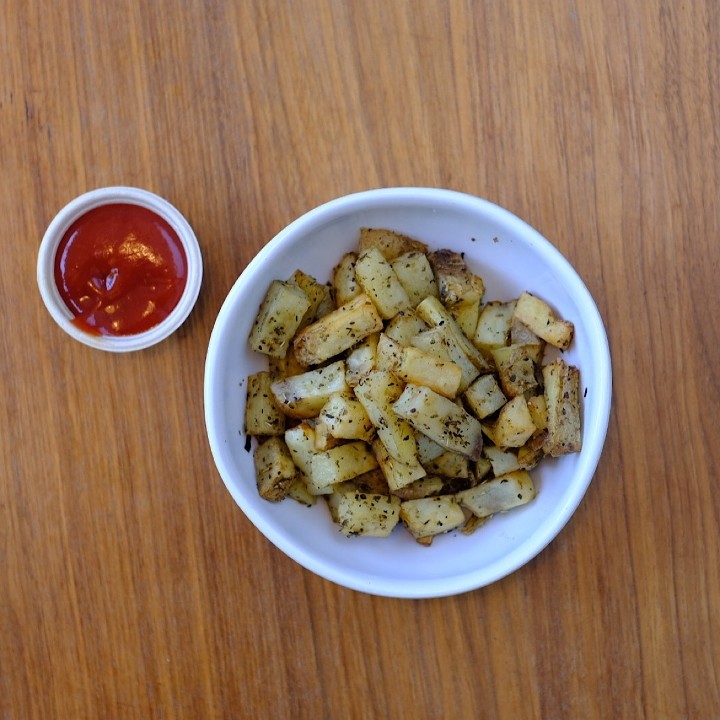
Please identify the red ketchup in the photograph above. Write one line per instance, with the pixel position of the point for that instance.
(121, 269)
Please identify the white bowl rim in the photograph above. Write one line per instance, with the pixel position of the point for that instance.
(508, 564)
(104, 196)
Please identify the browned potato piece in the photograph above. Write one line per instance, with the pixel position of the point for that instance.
(404, 327)
(340, 330)
(516, 365)
(344, 283)
(562, 399)
(361, 513)
(514, 425)
(346, 419)
(493, 326)
(441, 343)
(398, 474)
(441, 420)
(449, 465)
(262, 415)
(453, 277)
(427, 517)
(435, 314)
(422, 488)
(316, 294)
(303, 396)
(538, 411)
(361, 359)
(533, 451)
(416, 276)
(466, 312)
(540, 318)
(274, 469)
(484, 396)
(278, 318)
(377, 391)
(420, 368)
(379, 281)
(391, 244)
(499, 494)
(501, 461)
(341, 463)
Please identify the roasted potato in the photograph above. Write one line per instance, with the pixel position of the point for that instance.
(338, 331)
(562, 402)
(540, 318)
(441, 420)
(379, 281)
(278, 319)
(499, 494)
(401, 396)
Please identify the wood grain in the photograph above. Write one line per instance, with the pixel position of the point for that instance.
(133, 586)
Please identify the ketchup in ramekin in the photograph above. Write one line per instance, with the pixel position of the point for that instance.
(120, 269)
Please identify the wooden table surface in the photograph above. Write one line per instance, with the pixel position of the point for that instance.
(132, 585)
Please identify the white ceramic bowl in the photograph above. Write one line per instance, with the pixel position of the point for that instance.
(511, 257)
(76, 209)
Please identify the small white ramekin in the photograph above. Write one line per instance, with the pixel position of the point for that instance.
(59, 226)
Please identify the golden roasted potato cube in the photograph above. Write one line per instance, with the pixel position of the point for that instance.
(274, 469)
(344, 284)
(484, 396)
(562, 400)
(372, 481)
(441, 420)
(390, 243)
(427, 517)
(361, 513)
(324, 440)
(415, 275)
(339, 331)
(315, 292)
(538, 411)
(300, 441)
(499, 494)
(516, 365)
(440, 342)
(389, 353)
(466, 312)
(514, 425)
(361, 359)
(501, 461)
(278, 319)
(398, 474)
(262, 415)
(533, 451)
(422, 368)
(449, 465)
(481, 468)
(341, 463)
(473, 523)
(377, 391)
(303, 396)
(540, 318)
(453, 277)
(432, 311)
(493, 327)
(422, 488)
(346, 419)
(404, 327)
(299, 491)
(285, 367)
(427, 449)
(521, 334)
(379, 281)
